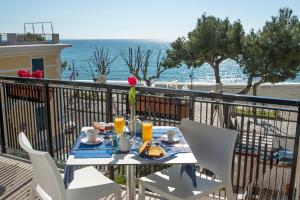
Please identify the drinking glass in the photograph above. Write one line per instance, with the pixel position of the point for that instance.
(119, 125)
(147, 131)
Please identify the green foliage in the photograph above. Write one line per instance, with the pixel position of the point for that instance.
(179, 54)
(270, 55)
(132, 96)
(259, 113)
(212, 41)
(273, 53)
(120, 179)
(18, 153)
(63, 65)
(33, 37)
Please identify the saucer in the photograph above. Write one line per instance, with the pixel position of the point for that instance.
(99, 140)
(164, 138)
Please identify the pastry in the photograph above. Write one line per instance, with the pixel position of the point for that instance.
(144, 147)
(98, 125)
(156, 152)
(109, 126)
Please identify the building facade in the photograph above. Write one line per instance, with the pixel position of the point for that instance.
(44, 54)
(32, 52)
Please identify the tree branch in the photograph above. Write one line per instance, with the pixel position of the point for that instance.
(139, 64)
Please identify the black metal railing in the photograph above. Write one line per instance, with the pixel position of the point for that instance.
(52, 112)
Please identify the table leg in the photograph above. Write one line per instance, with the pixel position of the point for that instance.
(130, 169)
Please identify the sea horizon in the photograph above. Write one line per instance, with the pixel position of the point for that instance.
(154, 39)
(82, 49)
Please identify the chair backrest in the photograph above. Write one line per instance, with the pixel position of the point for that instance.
(213, 147)
(45, 172)
(24, 142)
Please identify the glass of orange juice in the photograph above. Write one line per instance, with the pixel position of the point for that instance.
(147, 131)
(119, 125)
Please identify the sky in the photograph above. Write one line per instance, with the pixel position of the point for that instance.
(134, 19)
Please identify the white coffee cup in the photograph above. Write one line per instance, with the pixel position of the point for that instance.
(91, 134)
(124, 143)
(171, 134)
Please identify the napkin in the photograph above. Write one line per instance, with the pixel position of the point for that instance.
(190, 169)
(93, 154)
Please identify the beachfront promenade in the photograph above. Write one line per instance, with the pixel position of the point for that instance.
(278, 90)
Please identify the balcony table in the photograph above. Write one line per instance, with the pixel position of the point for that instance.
(131, 160)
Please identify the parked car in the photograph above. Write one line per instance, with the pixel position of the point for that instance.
(283, 157)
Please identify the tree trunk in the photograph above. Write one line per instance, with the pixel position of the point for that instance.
(255, 89)
(217, 73)
(226, 108)
(227, 114)
(248, 86)
(255, 85)
(254, 109)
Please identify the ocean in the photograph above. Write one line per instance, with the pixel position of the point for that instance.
(81, 50)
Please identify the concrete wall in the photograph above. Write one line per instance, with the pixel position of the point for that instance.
(52, 62)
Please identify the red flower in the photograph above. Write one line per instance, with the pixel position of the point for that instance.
(131, 96)
(37, 74)
(23, 73)
(131, 80)
(33, 74)
(40, 74)
(20, 72)
(27, 75)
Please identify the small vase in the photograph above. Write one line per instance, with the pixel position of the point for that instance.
(132, 121)
(132, 126)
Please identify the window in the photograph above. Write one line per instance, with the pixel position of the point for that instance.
(38, 64)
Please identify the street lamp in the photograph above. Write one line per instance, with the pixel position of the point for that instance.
(74, 73)
(191, 77)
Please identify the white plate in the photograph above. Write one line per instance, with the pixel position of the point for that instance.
(99, 140)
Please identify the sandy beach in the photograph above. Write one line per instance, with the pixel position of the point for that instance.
(279, 90)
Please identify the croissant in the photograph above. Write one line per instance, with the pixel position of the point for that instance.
(144, 147)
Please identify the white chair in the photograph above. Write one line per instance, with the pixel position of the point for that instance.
(213, 148)
(88, 183)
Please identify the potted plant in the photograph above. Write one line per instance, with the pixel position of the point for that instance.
(25, 91)
(170, 108)
(101, 60)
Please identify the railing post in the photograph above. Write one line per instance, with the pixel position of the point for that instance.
(109, 118)
(191, 107)
(47, 116)
(295, 159)
(109, 110)
(2, 134)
